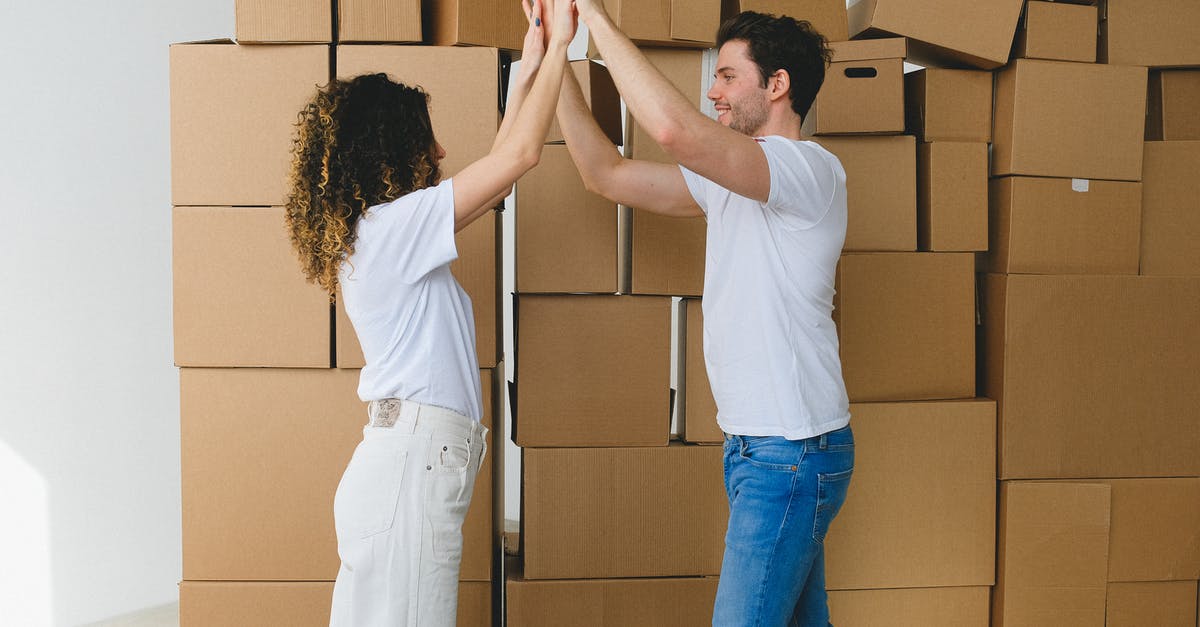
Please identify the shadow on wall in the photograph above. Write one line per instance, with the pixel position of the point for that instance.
(25, 584)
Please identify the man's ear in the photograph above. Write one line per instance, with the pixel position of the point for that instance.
(779, 84)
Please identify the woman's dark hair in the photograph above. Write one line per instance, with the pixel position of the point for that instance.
(782, 43)
(359, 142)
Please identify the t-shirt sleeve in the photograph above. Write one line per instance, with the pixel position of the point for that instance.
(700, 188)
(803, 180)
(417, 230)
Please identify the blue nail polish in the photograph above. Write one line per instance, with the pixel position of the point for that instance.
(537, 21)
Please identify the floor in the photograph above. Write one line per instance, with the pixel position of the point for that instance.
(161, 616)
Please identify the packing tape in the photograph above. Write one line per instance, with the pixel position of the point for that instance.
(1079, 185)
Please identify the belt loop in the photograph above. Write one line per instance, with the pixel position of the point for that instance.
(409, 413)
(822, 444)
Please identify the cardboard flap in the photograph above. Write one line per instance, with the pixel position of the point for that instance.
(869, 49)
(693, 21)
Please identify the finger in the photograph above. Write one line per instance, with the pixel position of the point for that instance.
(527, 9)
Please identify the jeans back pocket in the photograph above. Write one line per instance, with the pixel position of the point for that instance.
(369, 492)
(831, 493)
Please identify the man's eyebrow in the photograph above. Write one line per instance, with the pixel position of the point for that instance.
(726, 68)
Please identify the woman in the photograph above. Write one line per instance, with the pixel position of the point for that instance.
(368, 214)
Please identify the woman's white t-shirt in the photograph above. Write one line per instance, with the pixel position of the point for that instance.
(412, 318)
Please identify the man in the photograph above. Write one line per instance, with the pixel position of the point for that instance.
(776, 211)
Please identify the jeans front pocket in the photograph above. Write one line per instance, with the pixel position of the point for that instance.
(368, 493)
(771, 452)
(454, 463)
(831, 493)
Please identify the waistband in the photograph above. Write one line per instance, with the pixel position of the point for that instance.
(403, 416)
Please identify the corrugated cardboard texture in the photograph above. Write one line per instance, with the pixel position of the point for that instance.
(1173, 108)
(673, 602)
(233, 115)
(559, 220)
(240, 294)
(1155, 532)
(948, 105)
(918, 521)
(881, 191)
(592, 370)
(494, 23)
(685, 70)
(1153, 33)
(698, 412)
(277, 21)
(907, 325)
(379, 20)
(1160, 603)
(863, 90)
(601, 96)
(827, 16)
(667, 254)
(952, 196)
(1052, 554)
(912, 607)
(623, 512)
(690, 23)
(1072, 120)
(943, 32)
(1061, 226)
(1171, 209)
(1095, 376)
(1057, 31)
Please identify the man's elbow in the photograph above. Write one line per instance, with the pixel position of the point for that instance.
(672, 137)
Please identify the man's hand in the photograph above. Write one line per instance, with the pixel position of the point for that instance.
(562, 20)
(588, 8)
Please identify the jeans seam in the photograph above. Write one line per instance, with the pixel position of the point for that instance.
(787, 513)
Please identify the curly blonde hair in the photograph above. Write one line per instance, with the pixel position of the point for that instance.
(359, 142)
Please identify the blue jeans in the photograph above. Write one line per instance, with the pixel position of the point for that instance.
(782, 496)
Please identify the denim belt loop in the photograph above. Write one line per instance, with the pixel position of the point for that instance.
(823, 442)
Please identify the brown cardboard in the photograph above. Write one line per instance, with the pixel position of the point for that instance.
(1073, 360)
(881, 191)
(906, 322)
(592, 370)
(697, 409)
(295, 604)
(284, 21)
(948, 105)
(1069, 120)
(1063, 226)
(910, 607)
(464, 86)
(685, 70)
(1152, 33)
(924, 521)
(233, 115)
(688, 23)
(1159, 603)
(600, 94)
(263, 452)
(489, 23)
(375, 20)
(559, 220)
(622, 512)
(827, 16)
(1052, 554)
(1057, 31)
(1171, 209)
(952, 196)
(863, 91)
(662, 602)
(1155, 532)
(240, 297)
(1172, 111)
(666, 254)
(942, 32)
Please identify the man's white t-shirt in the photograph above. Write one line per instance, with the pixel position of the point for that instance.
(770, 344)
(412, 318)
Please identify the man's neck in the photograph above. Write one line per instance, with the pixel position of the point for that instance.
(784, 125)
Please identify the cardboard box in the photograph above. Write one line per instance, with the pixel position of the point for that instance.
(1069, 120)
(910, 607)
(1072, 360)
(687, 70)
(1152, 33)
(686, 23)
(952, 196)
(464, 88)
(1057, 31)
(248, 517)
(1063, 226)
(490, 23)
(907, 325)
(596, 513)
(948, 105)
(666, 255)
(284, 21)
(296, 604)
(1171, 209)
(378, 21)
(863, 92)
(913, 522)
(559, 220)
(827, 16)
(1155, 532)
(233, 116)
(662, 602)
(592, 370)
(1171, 108)
(881, 191)
(1052, 554)
(947, 33)
(1159, 603)
(601, 96)
(697, 409)
(240, 297)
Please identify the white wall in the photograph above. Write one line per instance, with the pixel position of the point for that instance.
(89, 398)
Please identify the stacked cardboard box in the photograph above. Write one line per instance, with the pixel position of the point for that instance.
(269, 367)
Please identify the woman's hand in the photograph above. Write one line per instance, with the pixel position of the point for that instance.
(561, 21)
(534, 48)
